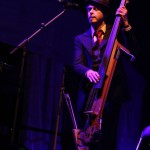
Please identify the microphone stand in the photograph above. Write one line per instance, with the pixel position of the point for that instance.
(43, 25)
(62, 89)
(20, 46)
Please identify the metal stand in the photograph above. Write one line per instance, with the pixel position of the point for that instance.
(65, 96)
(19, 91)
(20, 46)
(59, 110)
(145, 133)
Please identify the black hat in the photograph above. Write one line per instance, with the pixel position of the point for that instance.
(99, 3)
(103, 5)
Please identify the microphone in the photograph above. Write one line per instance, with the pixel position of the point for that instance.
(69, 4)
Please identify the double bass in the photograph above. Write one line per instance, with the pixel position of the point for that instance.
(96, 101)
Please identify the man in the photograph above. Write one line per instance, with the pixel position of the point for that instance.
(88, 55)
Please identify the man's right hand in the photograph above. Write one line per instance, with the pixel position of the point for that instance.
(93, 76)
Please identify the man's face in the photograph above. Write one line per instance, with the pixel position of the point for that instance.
(94, 14)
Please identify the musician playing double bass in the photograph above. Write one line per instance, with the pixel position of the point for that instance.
(88, 55)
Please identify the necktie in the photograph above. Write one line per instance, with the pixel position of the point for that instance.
(99, 36)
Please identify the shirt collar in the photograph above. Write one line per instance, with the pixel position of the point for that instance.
(103, 28)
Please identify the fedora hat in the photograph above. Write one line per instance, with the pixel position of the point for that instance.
(99, 3)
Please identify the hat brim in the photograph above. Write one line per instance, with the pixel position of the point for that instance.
(98, 4)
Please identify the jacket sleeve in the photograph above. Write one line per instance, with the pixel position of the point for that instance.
(130, 41)
(79, 61)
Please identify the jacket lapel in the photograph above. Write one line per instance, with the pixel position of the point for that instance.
(86, 39)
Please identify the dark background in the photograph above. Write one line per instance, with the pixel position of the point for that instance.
(33, 111)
